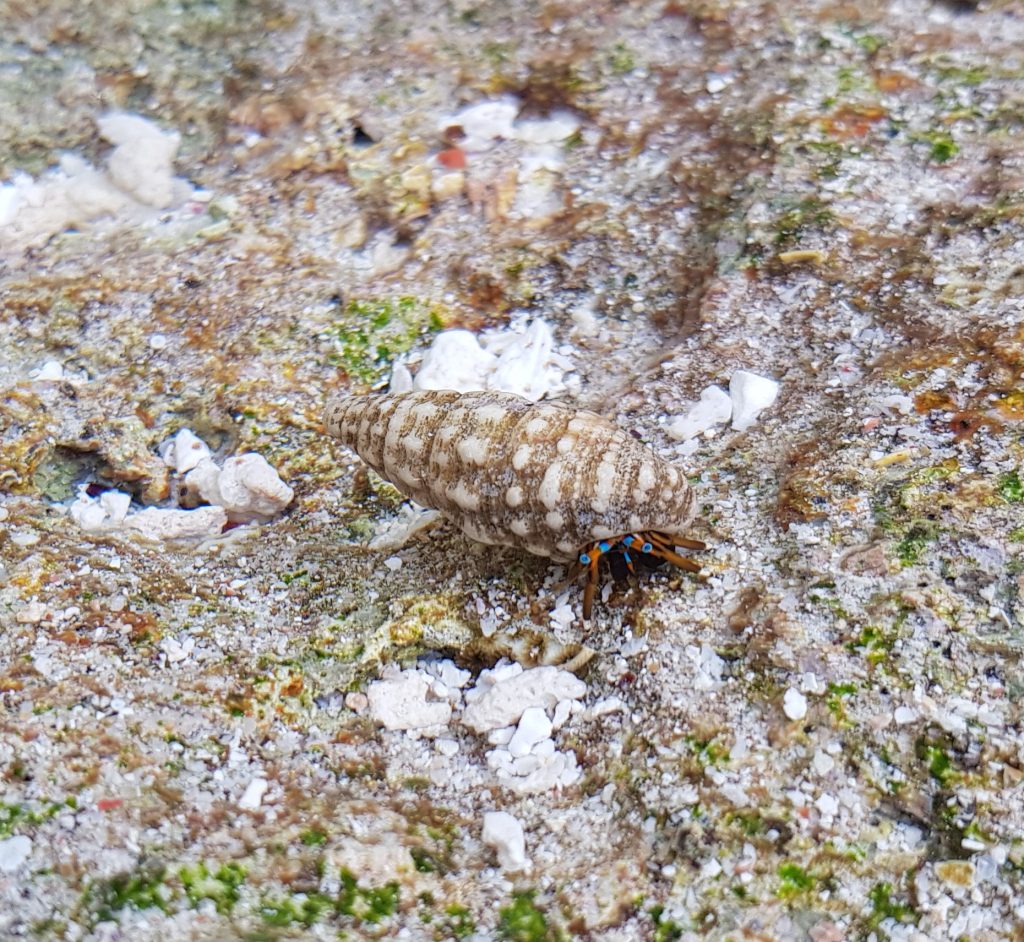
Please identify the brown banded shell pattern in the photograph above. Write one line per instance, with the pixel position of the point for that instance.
(540, 476)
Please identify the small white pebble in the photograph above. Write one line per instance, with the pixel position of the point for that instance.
(711, 869)
(158, 342)
(562, 616)
(50, 371)
(31, 614)
(115, 505)
(177, 651)
(811, 683)
(904, 715)
(14, 851)
(501, 737)
(357, 702)
(794, 704)
(607, 705)
(823, 763)
(505, 834)
(827, 805)
(562, 710)
(912, 836)
(252, 798)
(904, 405)
(439, 690)
(717, 82)
(534, 727)
(545, 748)
(448, 673)
(394, 563)
(447, 747)
(484, 122)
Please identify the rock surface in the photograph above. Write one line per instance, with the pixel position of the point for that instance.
(819, 738)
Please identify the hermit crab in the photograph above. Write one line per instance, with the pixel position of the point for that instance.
(542, 476)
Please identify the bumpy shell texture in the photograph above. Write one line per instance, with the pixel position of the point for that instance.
(540, 476)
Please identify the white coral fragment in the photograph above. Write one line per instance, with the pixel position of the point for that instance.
(558, 126)
(247, 486)
(158, 523)
(534, 727)
(714, 408)
(504, 833)
(251, 489)
(494, 704)
(96, 514)
(142, 163)
(524, 362)
(484, 123)
(246, 489)
(400, 702)
(751, 395)
(184, 451)
(456, 361)
(133, 188)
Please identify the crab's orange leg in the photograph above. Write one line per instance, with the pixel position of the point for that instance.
(661, 547)
(592, 559)
(689, 544)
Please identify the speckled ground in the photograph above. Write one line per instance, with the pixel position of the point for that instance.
(830, 194)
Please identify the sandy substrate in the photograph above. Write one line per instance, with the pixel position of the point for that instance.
(308, 722)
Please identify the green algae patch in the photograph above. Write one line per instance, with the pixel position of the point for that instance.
(458, 922)
(368, 905)
(910, 549)
(836, 699)
(1010, 488)
(303, 909)
(436, 619)
(56, 476)
(799, 218)
(221, 885)
(420, 623)
(523, 920)
(15, 818)
(941, 146)
(884, 905)
(793, 880)
(940, 766)
(364, 905)
(313, 837)
(665, 930)
(142, 889)
(371, 333)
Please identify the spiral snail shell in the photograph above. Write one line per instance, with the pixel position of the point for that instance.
(544, 477)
